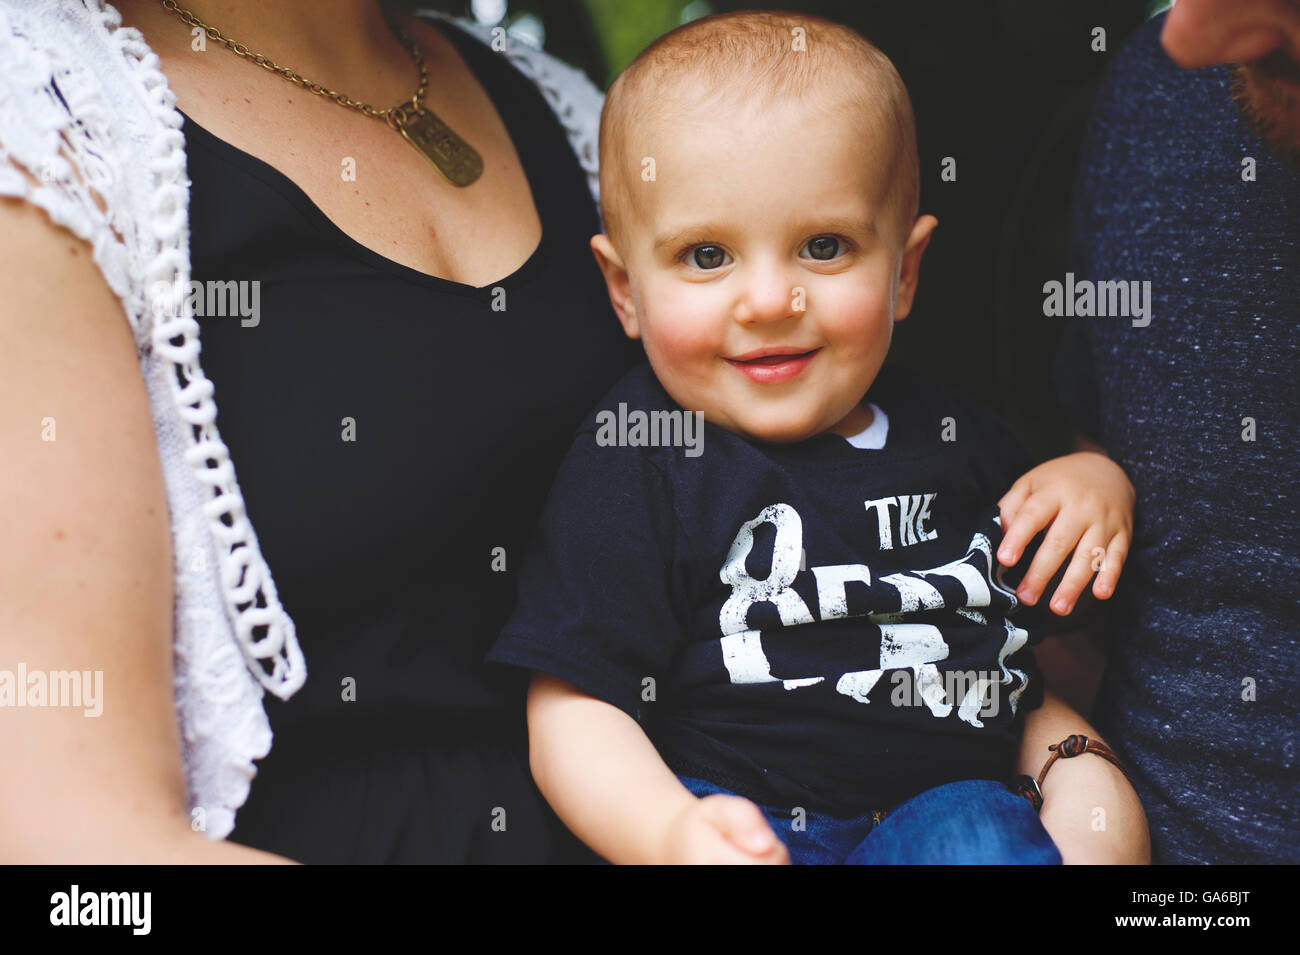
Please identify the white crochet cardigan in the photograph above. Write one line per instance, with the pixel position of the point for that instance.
(116, 135)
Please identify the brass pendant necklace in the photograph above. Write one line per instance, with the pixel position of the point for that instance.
(456, 159)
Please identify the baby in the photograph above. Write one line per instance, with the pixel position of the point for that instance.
(788, 640)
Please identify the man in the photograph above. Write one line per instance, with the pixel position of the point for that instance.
(1190, 179)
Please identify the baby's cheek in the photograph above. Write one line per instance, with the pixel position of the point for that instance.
(856, 315)
(684, 328)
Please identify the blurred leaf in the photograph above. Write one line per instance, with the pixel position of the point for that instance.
(626, 27)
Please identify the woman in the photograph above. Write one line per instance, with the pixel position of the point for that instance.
(400, 343)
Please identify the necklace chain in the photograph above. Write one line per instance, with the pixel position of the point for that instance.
(456, 159)
(396, 116)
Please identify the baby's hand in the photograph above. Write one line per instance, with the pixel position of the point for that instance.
(1088, 501)
(723, 830)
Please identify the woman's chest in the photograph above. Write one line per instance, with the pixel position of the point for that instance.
(376, 188)
(371, 418)
(365, 177)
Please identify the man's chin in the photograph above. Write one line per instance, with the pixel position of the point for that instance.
(1268, 94)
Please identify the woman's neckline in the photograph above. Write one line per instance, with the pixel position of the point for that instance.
(278, 180)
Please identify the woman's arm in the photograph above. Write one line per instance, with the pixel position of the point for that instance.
(85, 571)
(603, 777)
(1089, 809)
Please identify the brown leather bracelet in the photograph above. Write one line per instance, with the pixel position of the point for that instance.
(1074, 745)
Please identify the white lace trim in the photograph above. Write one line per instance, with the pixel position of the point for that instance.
(112, 171)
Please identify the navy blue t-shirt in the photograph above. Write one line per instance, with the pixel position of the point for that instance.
(813, 624)
(1200, 409)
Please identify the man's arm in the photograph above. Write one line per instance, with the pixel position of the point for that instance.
(1083, 444)
(1089, 808)
(1072, 663)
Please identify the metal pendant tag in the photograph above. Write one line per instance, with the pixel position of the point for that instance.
(455, 158)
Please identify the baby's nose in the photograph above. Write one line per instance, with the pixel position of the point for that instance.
(770, 297)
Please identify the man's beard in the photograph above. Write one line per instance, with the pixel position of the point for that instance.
(1270, 105)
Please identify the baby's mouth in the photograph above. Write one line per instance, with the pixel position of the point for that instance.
(768, 366)
(771, 356)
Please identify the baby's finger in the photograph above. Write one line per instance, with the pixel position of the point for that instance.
(1111, 565)
(778, 855)
(1061, 539)
(742, 824)
(1087, 558)
(1012, 501)
(1035, 514)
(725, 852)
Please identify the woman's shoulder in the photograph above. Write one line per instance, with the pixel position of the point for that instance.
(68, 64)
(89, 134)
(567, 90)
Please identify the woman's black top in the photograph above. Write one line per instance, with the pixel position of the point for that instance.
(394, 436)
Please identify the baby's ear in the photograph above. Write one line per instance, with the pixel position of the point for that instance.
(910, 274)
(616, 280)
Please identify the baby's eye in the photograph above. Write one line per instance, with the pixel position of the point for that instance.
(710, 257)
(823, 247)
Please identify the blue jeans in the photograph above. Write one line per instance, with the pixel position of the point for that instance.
(971, 822)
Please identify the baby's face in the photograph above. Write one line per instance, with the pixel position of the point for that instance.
(763, 269)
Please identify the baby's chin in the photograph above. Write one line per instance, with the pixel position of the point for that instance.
(771, 429)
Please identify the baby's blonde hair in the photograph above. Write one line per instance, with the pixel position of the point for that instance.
(730, 59)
